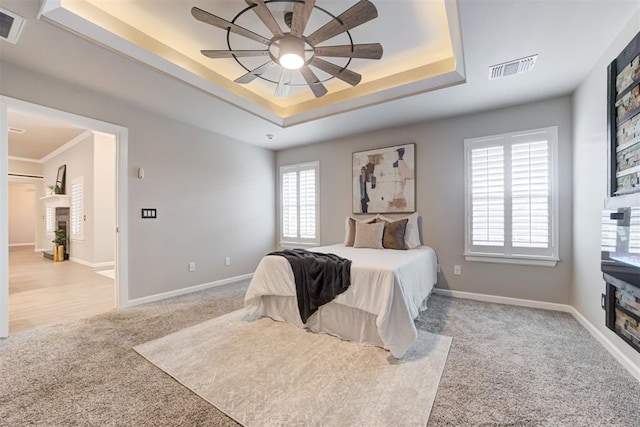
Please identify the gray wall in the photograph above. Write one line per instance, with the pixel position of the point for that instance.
(104, 197)
(22, 213)
(440, 194)
(25, 168)
(590, 182)
(214, 194)
(79, 161)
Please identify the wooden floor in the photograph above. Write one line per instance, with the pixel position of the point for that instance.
(44, 293)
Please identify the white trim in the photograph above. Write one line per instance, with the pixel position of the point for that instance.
(4, 221)
(74, 141)
(512, 259)
(627, 363)
(11, 245)
(122, 232)
(505, 300)
(24, 159)
(91, 264)
(189, 290)
(608, 344)
(39, 249)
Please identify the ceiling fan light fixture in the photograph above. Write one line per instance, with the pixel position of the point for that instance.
(291, 55)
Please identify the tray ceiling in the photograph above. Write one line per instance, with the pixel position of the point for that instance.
(421, 42)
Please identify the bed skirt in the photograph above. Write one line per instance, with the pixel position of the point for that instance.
(332, 318)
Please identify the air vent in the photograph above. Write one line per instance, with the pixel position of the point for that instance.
(10, 25)
(16, 130)
(511, 68)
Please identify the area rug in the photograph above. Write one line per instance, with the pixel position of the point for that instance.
(268, 373)
(106, 273)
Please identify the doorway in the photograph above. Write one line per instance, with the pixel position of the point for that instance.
(119, 136)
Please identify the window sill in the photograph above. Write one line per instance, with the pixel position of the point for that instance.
(290, 245)
(512, 259)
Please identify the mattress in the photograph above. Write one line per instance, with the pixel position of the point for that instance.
(389, 289)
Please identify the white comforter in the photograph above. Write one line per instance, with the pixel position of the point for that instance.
(392, 285)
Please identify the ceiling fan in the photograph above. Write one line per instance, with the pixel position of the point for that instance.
(292, 50)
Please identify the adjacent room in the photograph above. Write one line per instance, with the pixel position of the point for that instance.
(323, 213)
(59, 175)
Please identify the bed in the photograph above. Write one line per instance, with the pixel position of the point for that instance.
(389, 288)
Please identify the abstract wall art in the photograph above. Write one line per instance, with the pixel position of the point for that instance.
(384, 180)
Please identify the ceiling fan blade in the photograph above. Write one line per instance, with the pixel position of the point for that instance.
(215, 54)
(283, 84)
(301, 13)
(253, 74)
(216, 21)
(364, 51)
(358, 14)
(266, 16)
(316, 87)
(343, 74)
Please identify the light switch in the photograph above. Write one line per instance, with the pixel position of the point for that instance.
(149, 213)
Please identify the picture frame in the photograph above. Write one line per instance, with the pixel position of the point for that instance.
(61, 178)
(384, 180)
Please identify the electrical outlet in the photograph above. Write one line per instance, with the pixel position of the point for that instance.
(457, 270)
(192, 266)
(227, 261)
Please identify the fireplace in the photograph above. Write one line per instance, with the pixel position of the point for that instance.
(620, 264)
(61, 221)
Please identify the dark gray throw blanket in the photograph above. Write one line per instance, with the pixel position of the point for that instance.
(319, 278)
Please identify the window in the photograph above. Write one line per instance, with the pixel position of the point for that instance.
(511, 200)
(299, 204)
(77, 208)
(50, 214)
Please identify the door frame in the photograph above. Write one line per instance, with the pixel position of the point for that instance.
(121, 232)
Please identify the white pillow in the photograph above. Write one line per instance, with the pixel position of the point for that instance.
(369, 235)
(411, 234)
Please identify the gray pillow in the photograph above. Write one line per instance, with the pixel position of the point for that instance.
(369, 235)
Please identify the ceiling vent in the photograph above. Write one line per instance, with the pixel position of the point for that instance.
(10, 25)
(511, 68)
(16, 130)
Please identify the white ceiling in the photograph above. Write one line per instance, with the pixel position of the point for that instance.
(41, 135)
(568, 35)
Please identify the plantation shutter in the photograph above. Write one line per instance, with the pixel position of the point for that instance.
(299, 203)
(530, 195)
(49, 219)
(487, 196)
(290, 204)
(307, 204)
(511, 201)
(77, 215)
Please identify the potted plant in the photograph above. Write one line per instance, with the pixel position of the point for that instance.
(58, 245)
(54, 189)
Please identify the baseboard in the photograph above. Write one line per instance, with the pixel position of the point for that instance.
(189, 290)
(91, 264)
(628, 364)
(11, 245)
(39, 249)
(608, 344)
(506, 300)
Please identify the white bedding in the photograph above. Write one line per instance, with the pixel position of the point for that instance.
(390, 285)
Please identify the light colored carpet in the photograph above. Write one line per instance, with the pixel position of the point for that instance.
(107, 273)
(507, 366)
(267, 373)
